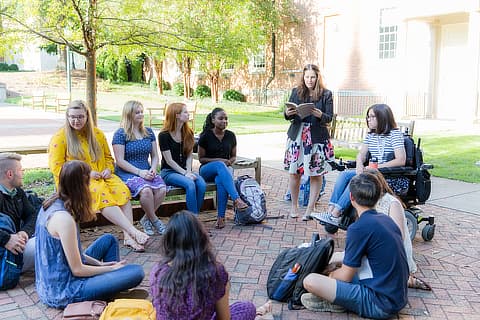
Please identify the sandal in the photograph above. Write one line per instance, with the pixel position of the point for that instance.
(239, 204)
(220, 224)
(416, 283)
(264, 312)
(136, 247)
(140, 237)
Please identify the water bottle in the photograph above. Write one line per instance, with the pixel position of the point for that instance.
(373, 163)
(301, 195)
(286, 283)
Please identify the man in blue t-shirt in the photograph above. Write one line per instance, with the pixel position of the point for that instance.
(372, 280)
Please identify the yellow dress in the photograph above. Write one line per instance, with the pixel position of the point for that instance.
(105, 192)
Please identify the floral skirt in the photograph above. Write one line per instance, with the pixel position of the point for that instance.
(304, 157)
(136, 184)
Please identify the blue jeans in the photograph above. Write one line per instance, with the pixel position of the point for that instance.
(104, 286)
(341, 192)
(217, 171)
(194, 189)
(359, 299)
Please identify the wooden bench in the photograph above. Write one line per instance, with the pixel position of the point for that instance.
(350, 132)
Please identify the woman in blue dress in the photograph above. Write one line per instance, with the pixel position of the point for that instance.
(133, 145)
(64, 273)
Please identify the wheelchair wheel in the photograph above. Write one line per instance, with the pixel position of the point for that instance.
(412, 224)
(428, 232)
(329, 228)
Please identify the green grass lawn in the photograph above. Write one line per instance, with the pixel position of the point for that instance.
(453, 157)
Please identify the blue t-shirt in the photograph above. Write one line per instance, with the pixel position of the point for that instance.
(137, 152)
(374, 246)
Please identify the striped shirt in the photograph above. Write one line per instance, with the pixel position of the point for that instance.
(383, 146)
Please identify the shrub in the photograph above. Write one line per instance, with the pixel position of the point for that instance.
(13, 67)
(110, 68)
(122, 72)
(166, 85)
(233, 95)
(178, 88)
(153, 83)
(3, 66)
(203, 91)
(100, 64)
(137, 69)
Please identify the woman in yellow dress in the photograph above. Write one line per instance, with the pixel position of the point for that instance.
(79, 139)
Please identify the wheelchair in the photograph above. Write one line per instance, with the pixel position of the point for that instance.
(419, 188)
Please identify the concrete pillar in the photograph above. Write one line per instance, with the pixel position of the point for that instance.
(3, 92)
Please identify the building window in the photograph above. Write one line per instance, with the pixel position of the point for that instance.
(388, 28)
(228, 67)
(257, 62)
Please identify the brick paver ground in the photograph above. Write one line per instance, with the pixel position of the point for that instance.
(449, 263)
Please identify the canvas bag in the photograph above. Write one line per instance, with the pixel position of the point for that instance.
(85, 310)
(138, 309)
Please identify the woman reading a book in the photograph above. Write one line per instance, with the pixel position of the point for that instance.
(308, 143)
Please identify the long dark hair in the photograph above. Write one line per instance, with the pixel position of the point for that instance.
(187, 249)
(208, 124)
(74, 192)
(385, 119)
(304, 92)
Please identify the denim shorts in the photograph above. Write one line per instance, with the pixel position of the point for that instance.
(359, 299)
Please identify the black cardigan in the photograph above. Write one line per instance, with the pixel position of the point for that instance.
(319, 129)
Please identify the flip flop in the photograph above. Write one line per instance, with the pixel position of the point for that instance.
(416, 283)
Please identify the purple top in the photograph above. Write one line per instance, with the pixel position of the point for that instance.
(186, 309)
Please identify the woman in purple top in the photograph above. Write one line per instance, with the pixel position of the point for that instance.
(133, 146)
(189, 282)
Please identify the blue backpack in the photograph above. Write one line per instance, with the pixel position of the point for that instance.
(10, 264)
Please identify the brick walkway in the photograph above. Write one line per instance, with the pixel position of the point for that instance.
(449, 263)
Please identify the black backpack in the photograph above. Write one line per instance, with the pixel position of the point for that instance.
(252, 194)
(312, 259)
(10, 264)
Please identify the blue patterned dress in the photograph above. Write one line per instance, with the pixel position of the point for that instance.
(137, 153)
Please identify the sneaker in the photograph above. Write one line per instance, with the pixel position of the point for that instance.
(287, 197)
(314, 303)
(160, 226)
(306, 217)
(147, 225)
(325, 217)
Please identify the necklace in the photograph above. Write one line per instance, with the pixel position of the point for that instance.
(380, 147)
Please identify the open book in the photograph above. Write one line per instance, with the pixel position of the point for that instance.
(303, 109)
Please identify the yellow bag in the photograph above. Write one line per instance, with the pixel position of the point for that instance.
(131, 309)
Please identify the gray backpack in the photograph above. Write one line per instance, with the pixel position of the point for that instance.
(252, 194)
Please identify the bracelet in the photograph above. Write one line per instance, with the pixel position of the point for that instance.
(138, 172)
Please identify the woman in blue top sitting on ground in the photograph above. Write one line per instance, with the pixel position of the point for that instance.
(385, 142)
(217, 151)
(133, 145)
(176, 144)
(63, 273)
(308, 144)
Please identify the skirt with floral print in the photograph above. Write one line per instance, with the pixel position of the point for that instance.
(136, 184)
(304, 157)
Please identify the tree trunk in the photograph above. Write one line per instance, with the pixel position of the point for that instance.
(147, 69)
(187, 72)
(62, 58)
(213, 77)
(91, 86)
(158, 64)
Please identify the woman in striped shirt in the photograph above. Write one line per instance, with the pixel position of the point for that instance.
(384, 142)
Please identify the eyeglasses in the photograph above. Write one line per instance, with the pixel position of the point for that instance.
(371, 117)
(79, 117)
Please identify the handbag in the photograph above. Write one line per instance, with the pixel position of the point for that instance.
(90, 310)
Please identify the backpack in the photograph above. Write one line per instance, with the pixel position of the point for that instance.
(311, 259)
(10, 264)
(252, 194)
(138, 309)
(34, 199)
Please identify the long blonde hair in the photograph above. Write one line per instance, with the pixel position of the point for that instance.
(128, 115)
(73, 144)
(170, 125)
